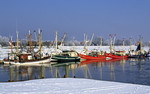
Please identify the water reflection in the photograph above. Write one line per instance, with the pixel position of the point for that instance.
(21, 73)
(137, 62)
(129, 71)
(64, 69)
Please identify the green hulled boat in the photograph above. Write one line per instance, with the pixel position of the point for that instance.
(66, 56)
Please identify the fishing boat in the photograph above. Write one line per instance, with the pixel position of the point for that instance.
(117, 55)
(25, 58)
(89, 61)
(138, 53)
(66, 56)
(121, 54)
(29, 56)
(93, 56)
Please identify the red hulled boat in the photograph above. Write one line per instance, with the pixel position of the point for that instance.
(93, 55)
(117, 55)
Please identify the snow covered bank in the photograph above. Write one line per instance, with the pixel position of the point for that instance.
(71, 86)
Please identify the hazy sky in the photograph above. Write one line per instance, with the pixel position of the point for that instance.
(125, 18)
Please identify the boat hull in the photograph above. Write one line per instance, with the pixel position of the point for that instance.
(136, 56)
(65, 59)
(148, 55)
(38, 61)
(88, 57)
(113, 56)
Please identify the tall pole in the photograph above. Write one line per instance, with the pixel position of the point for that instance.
(101, 41)
(63, 39)
(56, 40)
(85, 41)
(114, 39)
(17, 43)
(11, 45)
(91, 39)
(30, 41)
(123, 44)
(130, 44)
(140, 44)
(110, 43)
(35, 35)
(40, 40)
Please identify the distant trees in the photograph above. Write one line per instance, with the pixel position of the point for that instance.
(4, 41)
(120, 42)
(105, 42)
(97, 41)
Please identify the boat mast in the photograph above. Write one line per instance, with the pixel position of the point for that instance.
(73, 43)
(114, 39)
(112, 42)
(63, 39)
(91, 39)
(111, 46)
(130, 44)
(140, 44)
(85, 41)
(56, 40)
(101, 42)
(30, 42)
(123, 44)
(11, 45)
(35, 35)
(17, 44)
(40, 41)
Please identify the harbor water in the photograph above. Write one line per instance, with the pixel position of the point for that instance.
(136, 71)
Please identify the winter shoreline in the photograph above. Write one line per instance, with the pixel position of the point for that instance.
(71, 86)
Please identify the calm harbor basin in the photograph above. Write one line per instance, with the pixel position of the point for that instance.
(135, 71)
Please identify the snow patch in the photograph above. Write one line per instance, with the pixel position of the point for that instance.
(71, 86)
